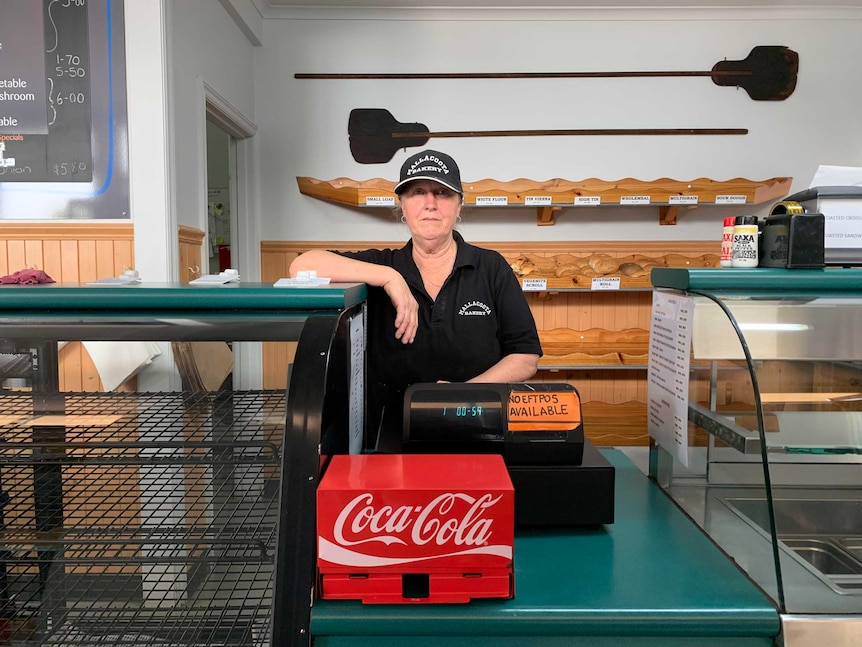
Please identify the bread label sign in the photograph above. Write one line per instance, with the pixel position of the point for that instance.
(605, 283)
(588, 200)
(730, 199)
(379, 201)
(492, 200)
(534, 285)
(682, 199)
(634, 199)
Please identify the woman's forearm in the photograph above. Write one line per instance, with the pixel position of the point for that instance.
(341, 269)
(516, 367)
(348, 270)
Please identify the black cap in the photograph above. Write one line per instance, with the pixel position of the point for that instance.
(430, 165)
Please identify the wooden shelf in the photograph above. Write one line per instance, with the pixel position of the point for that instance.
(566, 349)
(569, 272)
(584, 363)
(611, 425)
(550, 196)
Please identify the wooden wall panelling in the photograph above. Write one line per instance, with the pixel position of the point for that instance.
(69, 253)
(276, 265)
(614, 400)
(837, 378)
(72, 369)
(277, 357)
(191, 253)
(197, 480)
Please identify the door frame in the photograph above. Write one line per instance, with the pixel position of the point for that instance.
(244, 216)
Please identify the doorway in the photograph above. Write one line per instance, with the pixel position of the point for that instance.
(232, 231)
(229, 185)
(221, 168)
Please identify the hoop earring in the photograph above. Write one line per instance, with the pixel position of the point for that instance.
(457, 219)
(404, 219)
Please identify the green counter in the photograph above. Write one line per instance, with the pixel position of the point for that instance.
(168, 311)
(760, 281)
(650, 579)
(156, 297)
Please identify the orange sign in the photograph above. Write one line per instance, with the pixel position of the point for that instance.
(543, 410)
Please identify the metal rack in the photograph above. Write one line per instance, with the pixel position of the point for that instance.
(180, 518)
(139, 518)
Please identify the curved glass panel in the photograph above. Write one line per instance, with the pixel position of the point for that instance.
(774, 470)
(725, 466)
(808, 364)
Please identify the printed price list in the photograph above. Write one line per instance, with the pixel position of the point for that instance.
(667, 378)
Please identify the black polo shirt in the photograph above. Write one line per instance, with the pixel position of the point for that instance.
(479, 317)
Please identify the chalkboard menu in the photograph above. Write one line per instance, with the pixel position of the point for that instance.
(63, 147)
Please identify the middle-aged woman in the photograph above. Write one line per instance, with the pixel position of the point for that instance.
(439, 309)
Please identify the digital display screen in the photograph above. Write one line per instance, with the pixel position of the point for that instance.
(463, 411)
(454, 413)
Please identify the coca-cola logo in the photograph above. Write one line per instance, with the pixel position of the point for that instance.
(451, 517)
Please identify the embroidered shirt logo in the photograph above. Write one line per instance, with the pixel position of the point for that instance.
(474, 309)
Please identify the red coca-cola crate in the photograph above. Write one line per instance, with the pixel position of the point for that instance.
(415, 528)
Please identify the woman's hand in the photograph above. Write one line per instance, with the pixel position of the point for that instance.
(406, 308)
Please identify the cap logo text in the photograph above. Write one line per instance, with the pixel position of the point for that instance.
(439, 167)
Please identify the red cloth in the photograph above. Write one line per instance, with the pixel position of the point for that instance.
(26, 277)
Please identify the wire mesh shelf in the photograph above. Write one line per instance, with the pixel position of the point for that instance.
(138, 518)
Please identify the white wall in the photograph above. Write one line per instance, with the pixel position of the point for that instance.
(303, 123)
(206, 47)
(149, 167)
(172, 50)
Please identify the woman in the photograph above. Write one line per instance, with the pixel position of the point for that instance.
(439, 309)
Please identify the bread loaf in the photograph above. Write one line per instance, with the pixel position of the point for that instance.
(545, 266)
(523, 266)
(603, 264)
(567, 265)
(631, 269)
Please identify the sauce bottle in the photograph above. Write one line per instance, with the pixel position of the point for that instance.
(726, 258)
(744, 250)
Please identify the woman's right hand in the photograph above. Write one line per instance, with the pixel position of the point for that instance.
(406, 308)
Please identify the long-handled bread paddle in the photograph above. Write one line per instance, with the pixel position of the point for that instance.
(375, 135)
(768, 73)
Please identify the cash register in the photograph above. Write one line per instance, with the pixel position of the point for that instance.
(560, 479)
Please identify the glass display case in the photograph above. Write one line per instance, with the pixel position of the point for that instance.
(771, 467)
(167, 505)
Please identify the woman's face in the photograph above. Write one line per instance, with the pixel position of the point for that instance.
(430, 209)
